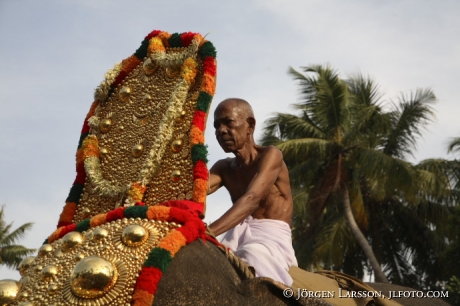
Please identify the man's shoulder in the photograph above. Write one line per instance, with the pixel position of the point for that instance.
(271, 152)
(223, 163)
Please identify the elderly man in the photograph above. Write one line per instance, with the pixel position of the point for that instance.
(258, 223)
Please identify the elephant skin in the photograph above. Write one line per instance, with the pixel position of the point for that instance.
(200, 274)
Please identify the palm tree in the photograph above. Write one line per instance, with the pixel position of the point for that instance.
(454, 145)
(344, 152)
(11, 254)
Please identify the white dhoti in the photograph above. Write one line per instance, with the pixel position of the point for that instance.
(264, 244)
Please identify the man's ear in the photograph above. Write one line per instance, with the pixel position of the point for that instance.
(252, 123)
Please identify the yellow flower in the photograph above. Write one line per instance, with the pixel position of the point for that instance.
(156, 45)
(90, 147)
(189, 70)
(137, 192)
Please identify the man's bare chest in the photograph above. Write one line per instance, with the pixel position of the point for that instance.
(237, 181)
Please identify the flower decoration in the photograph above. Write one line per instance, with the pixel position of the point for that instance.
(159, 258)
(88, 153)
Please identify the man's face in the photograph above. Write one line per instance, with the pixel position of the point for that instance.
(231, 127)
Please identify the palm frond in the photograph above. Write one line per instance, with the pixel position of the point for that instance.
(454, 145)
(365, 91)
(13, 237)
(384, 174)
(333, 237)
(357, 205)
(409, 118)
(304, 148)
(12, 255)
(287, 126)
(325, 98)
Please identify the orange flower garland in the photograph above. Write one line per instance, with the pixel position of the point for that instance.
(136, 192)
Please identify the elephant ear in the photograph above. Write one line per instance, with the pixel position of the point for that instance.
(143, 138)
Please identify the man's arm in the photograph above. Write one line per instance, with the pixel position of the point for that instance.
(269, 168)
(215, 176)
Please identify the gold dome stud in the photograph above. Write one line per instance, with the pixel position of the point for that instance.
(175, 176)
(149, 67)
(79, 256)
(52, 289)
(93, 277)
(181, 116)
(71, 240)
(45, 249)
(99, 234)
(147, 98)
(27, 304)
(49, 272)
(23, 295)
(134, 235)
(137, 150)
(8, 291)
(124, 94)
(25, 264)
(86, 212)
(105, 125)
(176, 145)
(104, 152)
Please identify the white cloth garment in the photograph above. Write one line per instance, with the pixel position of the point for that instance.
(266, 245)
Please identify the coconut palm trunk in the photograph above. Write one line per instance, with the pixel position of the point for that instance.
(362, 241)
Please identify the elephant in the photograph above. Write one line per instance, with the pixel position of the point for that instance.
(201, 275)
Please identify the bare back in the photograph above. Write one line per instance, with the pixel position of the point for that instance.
(276, 202)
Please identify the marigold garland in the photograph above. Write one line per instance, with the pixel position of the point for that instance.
(158, 213)
(198, 186)
(156, 45)
(143, 297)
(196, 136)
(136, 193)
(208, 84)
(127, 65)
(67, 214)
(160, 256)
(153, 45)
(98, 220)
(90, 147)
(189, 70)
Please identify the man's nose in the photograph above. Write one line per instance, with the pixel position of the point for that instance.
(220, 130)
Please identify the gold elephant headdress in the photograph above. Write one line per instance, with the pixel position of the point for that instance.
(141, 182)
(142, 140)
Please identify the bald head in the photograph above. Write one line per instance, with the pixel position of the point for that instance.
(240, 105)
(234, 123)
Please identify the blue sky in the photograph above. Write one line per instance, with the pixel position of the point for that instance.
(54, 53)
